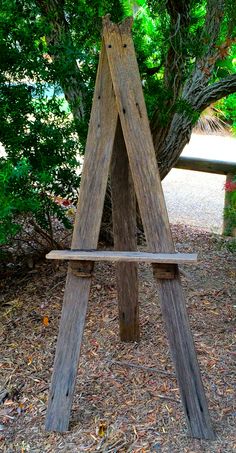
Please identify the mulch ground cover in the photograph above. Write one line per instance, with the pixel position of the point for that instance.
(120, 404)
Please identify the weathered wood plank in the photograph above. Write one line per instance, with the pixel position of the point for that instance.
(142, 160)
(67, 352)
(86, 230)
(206, 165)
(126, 256)
(137, 135)
(167, 271)
(185, 358)
(125, 238)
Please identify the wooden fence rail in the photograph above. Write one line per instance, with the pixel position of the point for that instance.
(212, 166)
(218, 167)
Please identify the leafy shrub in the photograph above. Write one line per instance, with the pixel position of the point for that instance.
(228, 108)
(39, 162)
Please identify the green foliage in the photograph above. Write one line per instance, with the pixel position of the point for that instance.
(231, 245)
(40, 53)
(40, 163)
(28, 189)
(37, 130)
(228, 107)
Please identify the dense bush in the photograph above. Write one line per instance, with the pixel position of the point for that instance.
(39, 162)
(228, 108)
(183, 48)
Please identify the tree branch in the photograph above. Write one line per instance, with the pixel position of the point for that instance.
(216, 91)
(154, 70)
(178, 132)
(174, 69)
(179, 12)
(182, 124)
(176, 7)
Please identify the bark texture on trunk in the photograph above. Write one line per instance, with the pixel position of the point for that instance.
(194, 92)
(193, 89)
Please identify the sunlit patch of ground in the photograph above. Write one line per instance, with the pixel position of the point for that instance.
(197, 198)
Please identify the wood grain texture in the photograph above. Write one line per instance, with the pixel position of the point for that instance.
(137, 135)
(142, 160)
(163, 270)
(86, 230)
(97, 160)
(206, 165)
(125, 232)
(185, 359)
(67, 352)
(126, 256)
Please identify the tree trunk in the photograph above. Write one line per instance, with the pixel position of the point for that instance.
(192, 90)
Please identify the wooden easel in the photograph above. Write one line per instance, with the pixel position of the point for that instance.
(119, 139)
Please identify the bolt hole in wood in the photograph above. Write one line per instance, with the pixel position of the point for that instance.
(109, 46)
(139, 111)
(99, 97)
(125, 45)
(124, 110)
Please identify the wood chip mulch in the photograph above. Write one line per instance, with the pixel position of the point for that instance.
(120, 403)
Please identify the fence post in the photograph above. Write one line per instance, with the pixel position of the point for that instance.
(229, 227)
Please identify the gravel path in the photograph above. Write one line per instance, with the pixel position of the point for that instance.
(196, 198)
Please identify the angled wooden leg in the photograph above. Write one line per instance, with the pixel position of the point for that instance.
(184, 356)
(124, 229)
(67, 353)
(142, 160)
(86, 230)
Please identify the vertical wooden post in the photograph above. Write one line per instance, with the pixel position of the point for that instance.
(141, 154)
(228, 228)
(124, 229)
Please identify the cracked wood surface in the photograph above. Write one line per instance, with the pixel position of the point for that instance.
(142, 160)
(86, 230)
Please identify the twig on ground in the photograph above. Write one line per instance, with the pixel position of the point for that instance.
(185, 274)
(166, 397)
(142, 367)
(54, 287)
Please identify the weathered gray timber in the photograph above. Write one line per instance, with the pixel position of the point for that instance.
(86, 230)
(124, 230)
(120, 92)
(123, 256)
(219, 167)
(141, 154)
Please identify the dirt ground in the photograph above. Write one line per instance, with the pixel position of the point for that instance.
(118, 407)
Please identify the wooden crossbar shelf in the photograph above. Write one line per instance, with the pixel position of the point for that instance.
(137, 257)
